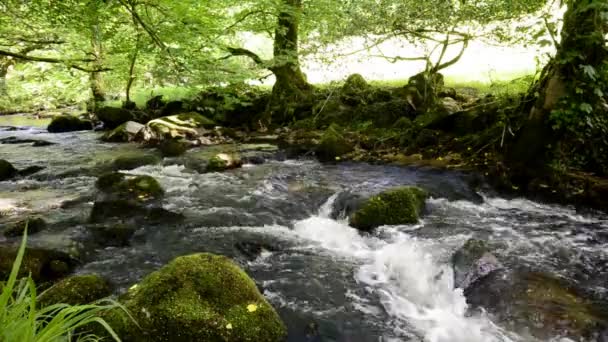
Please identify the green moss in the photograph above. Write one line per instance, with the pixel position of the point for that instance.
(139, 188)
(333, 144)
(134, 161)
(7, 171)
(394, 207)
(42, 264)
(224, 161)
(173, 147)
(68, 123)
(76, 290)
(201, 297)
(196, 119)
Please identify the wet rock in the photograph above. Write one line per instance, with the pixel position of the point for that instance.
(75, 290)
(34, 225)
(7, 170)
(333, 145)
(172, 107)
(393, 207)
(536, 303)
(42, 264)
(115, 235)
(129, 211)
(68, 123)
(34, 142)
(130, 162)
(30, 170)
(253, 249)
(113, 117)
(346, 204)
(299, 142)
(224, 161)
(173, 147)
(472, 262)
(201, 297)
(123, 133)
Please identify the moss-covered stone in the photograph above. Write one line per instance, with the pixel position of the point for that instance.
(333, 145)
(394, 207)
(224, 161)
(201, 297)
(131, 162)
(123, 133)
(68, 123)
(137, 188)
(7, 170)
(34, 225)
(113, 117)
(42, 264)
(173, 147)
(185, 125)
(75, 290)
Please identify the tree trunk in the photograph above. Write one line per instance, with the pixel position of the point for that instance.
(96, 77)
(3, 72)
(291, 92)
(561, 84)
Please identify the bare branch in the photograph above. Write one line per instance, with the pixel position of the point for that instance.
(244, 52)
(70, 63)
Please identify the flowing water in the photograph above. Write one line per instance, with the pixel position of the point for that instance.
(328, 281)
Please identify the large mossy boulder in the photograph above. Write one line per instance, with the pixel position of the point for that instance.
(200, 297)
(537, 304)
(224, 161)
(113, 117)
(355, 90)
(7, 170)
(42, 264)
(123, 133)
(76, 290)
(393, 207)
(333, 144)
(127, 187)
(68, 123)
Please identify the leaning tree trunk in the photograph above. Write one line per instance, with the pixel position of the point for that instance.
(563, 82)
(291, 90)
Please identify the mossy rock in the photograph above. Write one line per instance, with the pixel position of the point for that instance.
(34, 225)
(224, 161)
(173, 147)
(75, 290)
(123, 133)
(42, 264)
(393, 207)
(183, 125)
(472, 262)
(537, 303)
(68, 123)
(7, 170)
(115, 235)
(131, 162)
(333, 145)
(355, 90)
(200, 297)
(113, 117)
(138, 188)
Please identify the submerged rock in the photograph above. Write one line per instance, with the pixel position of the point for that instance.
(130, 162)
(30, 170)
(200, 297)
(333, 145)
(224, 161)
(346, 204)
(42, 264)
(472, 262)
(75, 290)
(393, 207)
(127, 210)
(536, 303)
(115, 235)
(123, 133)
(68, 123)
(253, 249)
(34, 225)
(7, 170)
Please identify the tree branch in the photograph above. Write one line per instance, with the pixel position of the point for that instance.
(70, 63)
(244, 52)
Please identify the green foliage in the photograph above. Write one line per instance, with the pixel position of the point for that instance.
(23, 321)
